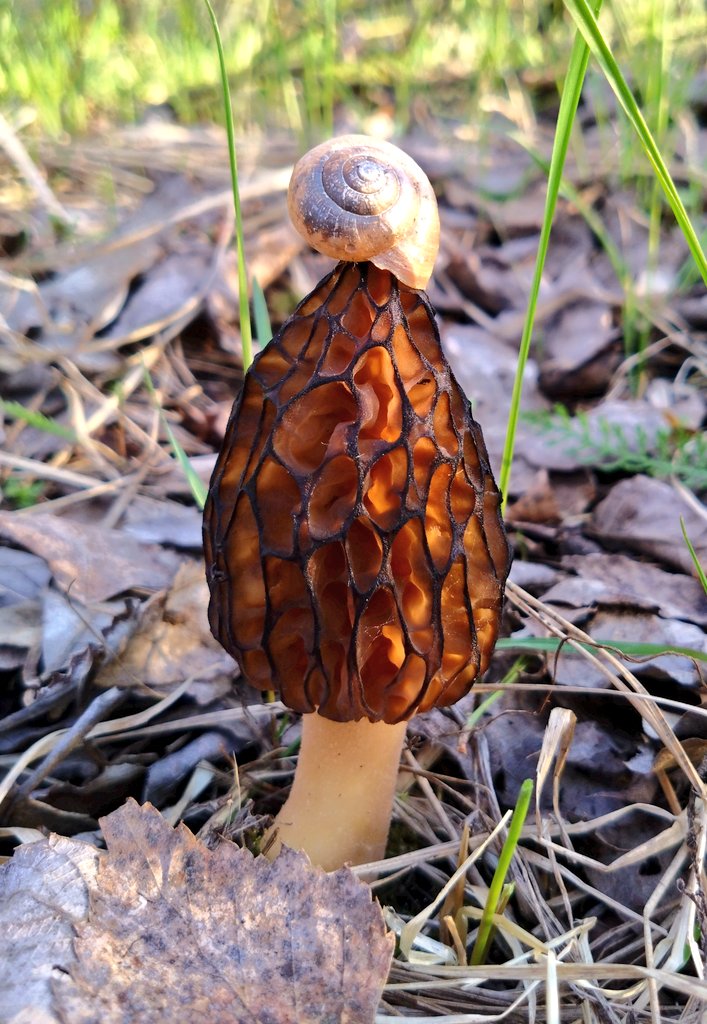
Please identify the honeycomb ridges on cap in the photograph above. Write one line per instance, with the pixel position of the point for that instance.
(355, 551)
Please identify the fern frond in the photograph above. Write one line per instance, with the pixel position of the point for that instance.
(609, 447)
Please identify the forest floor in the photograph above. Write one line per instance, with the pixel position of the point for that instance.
(119, 337)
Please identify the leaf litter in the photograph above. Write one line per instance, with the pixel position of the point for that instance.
(230, 936)
(115, 689)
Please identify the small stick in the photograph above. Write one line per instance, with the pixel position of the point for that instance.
(94, 713)
(19, 156)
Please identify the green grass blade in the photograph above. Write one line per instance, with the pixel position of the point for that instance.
(577, 67)
(263, 330)
(701, 575)
(36, 419)
(515, 827)
(551, 644)
(515, 671)
(586, 23)
(329, 66)
(244, 312)
(196, 484)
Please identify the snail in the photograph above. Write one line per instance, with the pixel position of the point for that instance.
(356, 198)
(354, 546)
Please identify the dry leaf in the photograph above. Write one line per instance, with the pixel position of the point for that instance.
(177, 931)
(486, 281)
(43, 892)
(537, 504)
(164, 293)
(569, 446)
(173, 642)
(89, 297)
(576, 360)
(620, 621)
(679, 402)
(519, 215)
(485, 367)
(161, 928)
(601, 771)
(23, 576)
(274, 252)
(619, 580)
(69, 628)
(164, 522)
(20, 629)
(640, 627)
(21, 306)
(91, 562)
(644, 515)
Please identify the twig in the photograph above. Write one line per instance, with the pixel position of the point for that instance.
(96, 712)
(44, 472)
(19, 156)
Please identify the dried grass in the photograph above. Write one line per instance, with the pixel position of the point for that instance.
(570, 973)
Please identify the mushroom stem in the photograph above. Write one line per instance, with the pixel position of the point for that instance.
(341, 800)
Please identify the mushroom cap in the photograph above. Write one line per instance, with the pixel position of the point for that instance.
(355, 551)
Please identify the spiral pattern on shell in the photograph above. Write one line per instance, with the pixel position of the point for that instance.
(359, 199)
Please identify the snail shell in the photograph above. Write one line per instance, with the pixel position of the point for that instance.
(356, 199)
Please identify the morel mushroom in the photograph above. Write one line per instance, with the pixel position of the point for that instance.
(355, 551)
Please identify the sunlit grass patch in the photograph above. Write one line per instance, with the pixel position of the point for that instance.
(295, 65)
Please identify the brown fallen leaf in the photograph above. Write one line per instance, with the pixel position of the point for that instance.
(173, 642)
(619, 580)
(23, 576)
(643, 514)
(485, 367)
(91, 562)
(163, 522)
(578, 356)
(573, 492)
(162, 928)
(20, 630)
(680, 403)
(551, 498)
(484, 281)
(276, 248)
(178, 931)
(609, 624)
(619, 624)
(70, 628)
(90, 296)
(602, 771)
(537, 504)
(167, 291)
